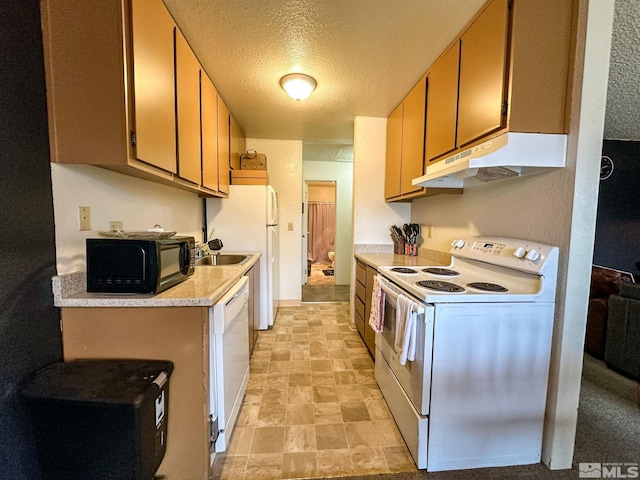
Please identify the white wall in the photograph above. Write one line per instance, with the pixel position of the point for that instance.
(284, 165)
(139, 204)
(372, 217)
(558, 208)
(342, 174)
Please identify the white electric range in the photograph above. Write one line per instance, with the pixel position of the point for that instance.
(475, 394)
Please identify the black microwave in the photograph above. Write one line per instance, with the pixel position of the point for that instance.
(140, 265)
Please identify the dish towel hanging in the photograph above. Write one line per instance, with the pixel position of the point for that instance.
(376, 315)
(406, 329)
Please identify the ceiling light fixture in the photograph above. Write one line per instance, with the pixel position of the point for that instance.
(298, 85)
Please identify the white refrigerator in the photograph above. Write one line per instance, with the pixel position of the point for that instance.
(247, 221)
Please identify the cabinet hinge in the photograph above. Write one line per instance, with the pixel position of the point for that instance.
(133, 139)
(505, 107)
(214, 432)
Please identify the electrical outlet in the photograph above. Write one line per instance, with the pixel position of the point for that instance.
(429, 231)
(115, 225)
(84, 218)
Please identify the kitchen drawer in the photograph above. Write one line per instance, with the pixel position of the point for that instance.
(359, 304)
(361, 291)
(359, 324)
(361, 272)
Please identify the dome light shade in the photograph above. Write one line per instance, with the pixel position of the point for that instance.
(298, 85)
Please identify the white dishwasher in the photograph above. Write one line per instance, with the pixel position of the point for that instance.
(229, 362)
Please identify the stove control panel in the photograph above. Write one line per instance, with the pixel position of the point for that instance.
(524, 255)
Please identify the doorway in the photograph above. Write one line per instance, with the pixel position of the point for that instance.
(319, 243)
(321, 232)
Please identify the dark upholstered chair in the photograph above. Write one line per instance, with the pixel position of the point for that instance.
(622, 346)
(604, 282)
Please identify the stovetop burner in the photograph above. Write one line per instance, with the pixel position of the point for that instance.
(404, 270)
(488, 287)
(440, 286)
(441, 271)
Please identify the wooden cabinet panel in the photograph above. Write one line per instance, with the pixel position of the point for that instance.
(209, 119)
(369, 334)
(371, 272)
(180, 335)
(362, 304)
(111, 92)
(188, 111)
(154, 84)
(405, 145)
(483, 74)
(85, 97)
(394, 153)
(442, 104)
(359, 321)
(413, 137)
(360, 291)
(540, 66)
(223, 147)
(361, 272)
(238, 143)
(359, 306)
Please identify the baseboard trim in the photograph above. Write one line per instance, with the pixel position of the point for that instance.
(290, 303)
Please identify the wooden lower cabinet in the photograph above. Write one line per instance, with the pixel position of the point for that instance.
(362, 302)
(179, 334)
(254, 305)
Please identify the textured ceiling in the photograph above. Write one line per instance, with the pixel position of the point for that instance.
(364, 54)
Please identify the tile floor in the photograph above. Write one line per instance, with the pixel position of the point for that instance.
(312, 407)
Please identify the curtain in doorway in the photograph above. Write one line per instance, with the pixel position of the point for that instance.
(322, 231)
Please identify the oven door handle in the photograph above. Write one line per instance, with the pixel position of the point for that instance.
(392, 295)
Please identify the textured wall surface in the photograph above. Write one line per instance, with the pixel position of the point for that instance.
(29, 324)
(284, 164)
(139, 204)
(622, 121)
(618, 222)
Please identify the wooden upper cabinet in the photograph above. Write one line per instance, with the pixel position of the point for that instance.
(413, 137)
(123, 92)
(153, 77)
(394, 153)
(223, 147)
(442, 104)
(405, 145)
(209, 119)
(483, 74)
(188, 111)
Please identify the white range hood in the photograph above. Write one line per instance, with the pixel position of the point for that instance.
(508, 155)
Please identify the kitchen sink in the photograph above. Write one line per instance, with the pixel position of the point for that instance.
(221, 259)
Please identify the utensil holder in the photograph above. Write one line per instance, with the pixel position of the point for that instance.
(411, 249)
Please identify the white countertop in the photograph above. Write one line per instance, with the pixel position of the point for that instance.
(202, 289)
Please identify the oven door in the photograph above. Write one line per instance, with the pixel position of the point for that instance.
(414, 376)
